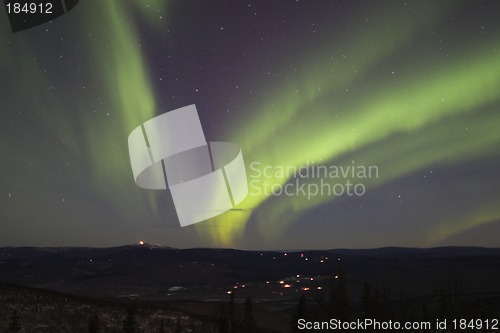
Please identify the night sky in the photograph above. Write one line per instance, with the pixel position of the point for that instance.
(411, 87)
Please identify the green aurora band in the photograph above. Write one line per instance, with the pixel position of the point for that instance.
(96, 159)
(391, 126)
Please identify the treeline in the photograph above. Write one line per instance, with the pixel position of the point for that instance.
(231, 320)
(28, 310)
(374, 302)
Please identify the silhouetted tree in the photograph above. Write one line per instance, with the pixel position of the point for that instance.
(14, 325)
(381, 300)
(322, 309)
(178, 327)
(300, 313)
(248, 324)
(374, 303)
(223, 318)
(367, 301)
(129, 324)
(339, 297)
(162, 327)
(449, 303)
(94, 325)
(232, 313)
(227, 315)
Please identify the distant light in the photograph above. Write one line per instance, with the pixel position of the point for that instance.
(267, 282)
(229, 292)
(287, 285)
(141, 242)
(321, 261)
(298, 275)
(281, 282)
(285, 254)
(319, 288)
(305, 288)
(302, 255)
(336, 276)
(312, 279)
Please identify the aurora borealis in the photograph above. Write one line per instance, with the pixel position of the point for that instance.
(410, 87)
